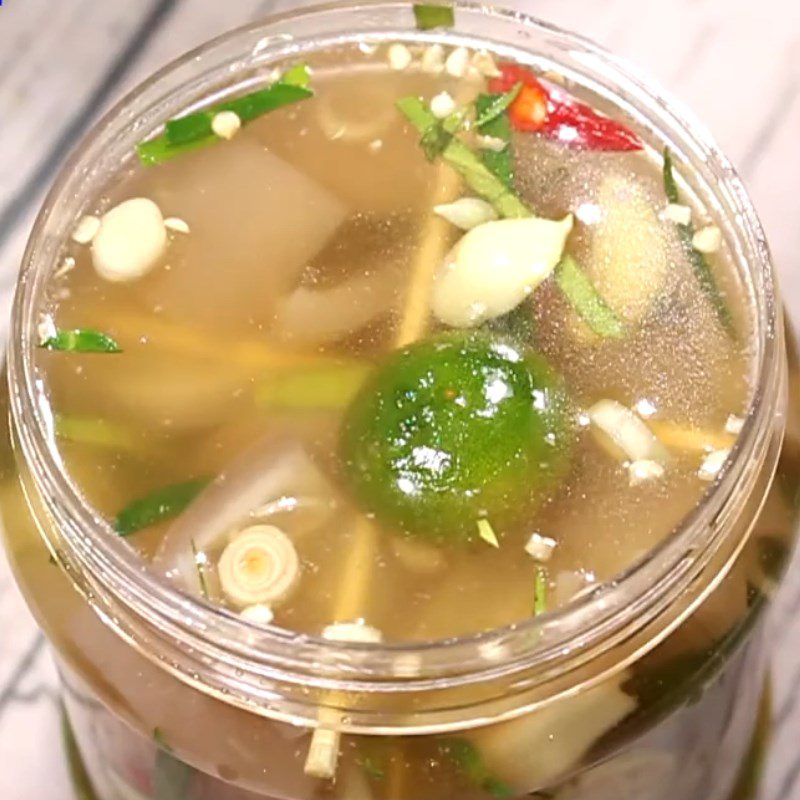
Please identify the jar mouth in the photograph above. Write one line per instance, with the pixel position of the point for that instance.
(543, 645)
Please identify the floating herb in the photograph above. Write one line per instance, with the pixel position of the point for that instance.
(702, 269)
(429, 16)
(490, 106)
(81, 340)
(474, 172)
(199, 563)
(438, 136)
(467, 759)
(159, 505)
(97, 432)
(170, 776)
(330, 385)
(571, 279)
(486, 532)
(498, 127)
(371, 768)
(195, 130)
(586, 301)
(540, 591)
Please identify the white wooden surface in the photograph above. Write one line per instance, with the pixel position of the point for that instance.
(63, 61)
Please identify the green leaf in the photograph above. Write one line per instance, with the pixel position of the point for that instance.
(187, 133)
(372, 769)
(499, 163)
(705, 277)
(496, 105)
(474, 172)
(429, 16)
(702, 269)
(195, 127)
(171, 777)
(670, 187)
(468, 760)
(81, 340)
(330, 385)
(159, 505)
(586, 301)
(540, 591)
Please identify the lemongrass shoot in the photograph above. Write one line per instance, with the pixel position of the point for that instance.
(259, 566)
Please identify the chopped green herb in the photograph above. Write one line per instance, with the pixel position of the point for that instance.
(159, 505)
(371, 768)
(330, 385)
(570, 278)
(586, 301)
(474, 172)
(468, 760)
(199, 563)
(499, 127)
(429, 16)
(439, 135)
(490, 110)
(97, 432)
(486, 532)
(540, 590)
(702, 269)
(670, 187)
(81, 340)
(170, 776)
(195, 130)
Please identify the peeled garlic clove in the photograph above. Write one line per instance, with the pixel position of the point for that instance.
(130, 241)
(495, 267)
(466, 213)
(259, 566)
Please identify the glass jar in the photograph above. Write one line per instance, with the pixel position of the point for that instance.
(649, 686)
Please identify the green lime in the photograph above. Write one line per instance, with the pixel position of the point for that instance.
(455, 429)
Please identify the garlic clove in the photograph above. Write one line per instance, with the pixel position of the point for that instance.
(495, 267)
(130, 241)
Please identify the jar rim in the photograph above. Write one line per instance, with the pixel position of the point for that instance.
(546, 643)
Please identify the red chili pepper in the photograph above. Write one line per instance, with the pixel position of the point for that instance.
(558, 115)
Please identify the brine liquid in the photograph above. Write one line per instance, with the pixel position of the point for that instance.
(308, 234)
(305, 234)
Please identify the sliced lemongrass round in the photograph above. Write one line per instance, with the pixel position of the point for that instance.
(484, 62)
(621, 428)
(466, 213)
(708, 239)
(493, 143)
(259, 566)
(734, 425)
